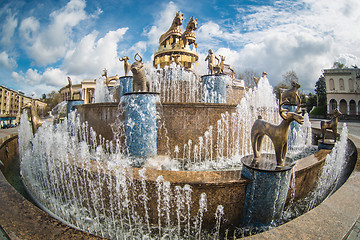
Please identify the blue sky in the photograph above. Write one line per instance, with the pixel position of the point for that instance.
(42, 42)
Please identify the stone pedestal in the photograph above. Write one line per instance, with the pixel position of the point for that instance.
(213, 88)
(266, 194)
(71, 103)
(125, 85)
(140, 125)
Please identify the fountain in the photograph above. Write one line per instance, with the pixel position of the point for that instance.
(165, 162)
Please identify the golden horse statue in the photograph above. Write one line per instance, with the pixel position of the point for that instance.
(277, 133)
(174, 30)
(188, 36)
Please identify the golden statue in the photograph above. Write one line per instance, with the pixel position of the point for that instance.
(332, 124)
(291, 94)
(109, 79)
(211, 61)
(257, 79)
(176, 58)
(140, 82)
(277, 133)
(36, 121)
(219, 68)
(70, 87)
(127, 65)
(174, 43)
(174, 30)
(188, 37)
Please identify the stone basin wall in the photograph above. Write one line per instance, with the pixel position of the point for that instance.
(179, 122)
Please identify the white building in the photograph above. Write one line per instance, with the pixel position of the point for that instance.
(343, 90)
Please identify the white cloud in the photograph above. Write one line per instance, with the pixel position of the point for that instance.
(29, 29)
(52, 77)
(8, 29)
(139, 47)
(6, 61)
(91, 56)
(17, 77)
(209, 30)
(302, 36)
(163, 20)
(48, 45)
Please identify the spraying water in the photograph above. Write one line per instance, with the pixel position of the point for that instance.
(102, 93)
(87, 180)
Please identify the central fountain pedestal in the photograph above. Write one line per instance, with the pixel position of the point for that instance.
(266, 194)
(213, 88)
(140, 125)
(125, 85)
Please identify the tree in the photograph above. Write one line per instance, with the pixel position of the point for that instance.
(317, 102)
(338, 65)
(320, 90)
(52, 99)
(288, 77)
(311, 102)
(248, 77)
(320, 86)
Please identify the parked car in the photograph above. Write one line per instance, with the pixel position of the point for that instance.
(8, 126)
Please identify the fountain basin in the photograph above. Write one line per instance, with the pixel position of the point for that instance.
(305, 168)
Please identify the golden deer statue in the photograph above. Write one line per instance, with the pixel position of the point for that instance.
(291, 93)
(219, 68)
(277, 133)
(332, 124)
(36, 121)
(127, 65)
(109, 79)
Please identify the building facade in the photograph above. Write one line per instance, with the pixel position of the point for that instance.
(11, 103)
(83, 91)
(343, 90)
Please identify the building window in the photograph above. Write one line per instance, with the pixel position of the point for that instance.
(351, 85)
(343, 106)
(352, 105)
(341, 84)
(332, 85)
(333, 106)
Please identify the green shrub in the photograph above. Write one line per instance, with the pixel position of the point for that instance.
(317, 111)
